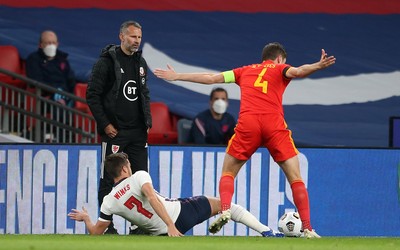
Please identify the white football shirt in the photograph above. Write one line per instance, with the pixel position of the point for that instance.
(127, 200)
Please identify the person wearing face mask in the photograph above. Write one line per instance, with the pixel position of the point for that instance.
(119, 99)
(214, 125)
(50, 65)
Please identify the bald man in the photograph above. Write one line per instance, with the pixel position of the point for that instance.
(50, 65)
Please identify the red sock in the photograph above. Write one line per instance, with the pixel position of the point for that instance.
(226, 189)
(300, 198)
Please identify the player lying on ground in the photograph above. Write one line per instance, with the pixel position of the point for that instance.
(134, 198)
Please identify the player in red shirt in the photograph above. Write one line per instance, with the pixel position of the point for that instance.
(261, 123)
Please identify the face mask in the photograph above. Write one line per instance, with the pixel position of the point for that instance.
(219, 106)
(50, 50)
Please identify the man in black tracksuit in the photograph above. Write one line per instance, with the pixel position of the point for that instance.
(119, 99)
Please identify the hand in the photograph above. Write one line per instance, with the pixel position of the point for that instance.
(62, 101)
(77, 215)
(326, 60)
(173, 231)
(169, 74)
(110, 131)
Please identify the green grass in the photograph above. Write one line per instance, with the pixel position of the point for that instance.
(76, 242)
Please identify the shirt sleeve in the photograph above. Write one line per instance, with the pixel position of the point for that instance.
(105, 212)
(142, 177)
(105, 217)
(285, 69)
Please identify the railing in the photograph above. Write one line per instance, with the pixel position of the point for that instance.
(28, 114)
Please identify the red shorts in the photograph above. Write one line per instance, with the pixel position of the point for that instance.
(268, 130)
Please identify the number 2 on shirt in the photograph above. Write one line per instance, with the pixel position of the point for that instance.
(132, 201)
(259, 83)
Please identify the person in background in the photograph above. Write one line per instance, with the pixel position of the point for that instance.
(214, 125)
(261, 123)
(50, 65)
(119, 99)
(134, 198)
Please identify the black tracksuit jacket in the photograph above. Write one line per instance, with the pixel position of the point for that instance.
(103, 88)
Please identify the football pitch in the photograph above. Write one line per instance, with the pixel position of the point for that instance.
(87, 242)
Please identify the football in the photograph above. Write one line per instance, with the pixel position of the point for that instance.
(290, 224)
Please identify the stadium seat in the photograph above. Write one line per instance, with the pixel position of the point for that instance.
(86, 125)
(184, 126)
(80, 91)
(10, 60)
(162, 131)
(83, 122)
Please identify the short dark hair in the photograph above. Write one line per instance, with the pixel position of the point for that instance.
(218, 89)
(272, 50)
(114, 163)
(126, 24)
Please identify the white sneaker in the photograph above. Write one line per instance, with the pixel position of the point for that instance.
(224, 218)
(310, 234)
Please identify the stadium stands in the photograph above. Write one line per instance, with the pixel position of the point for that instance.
(347, 105)
(26, 113)
(164, 123)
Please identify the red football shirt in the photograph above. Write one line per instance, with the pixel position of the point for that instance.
(262, 87)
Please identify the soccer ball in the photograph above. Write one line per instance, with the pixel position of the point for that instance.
(290, 224)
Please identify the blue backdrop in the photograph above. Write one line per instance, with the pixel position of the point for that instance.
(353, 192)
(348, 104)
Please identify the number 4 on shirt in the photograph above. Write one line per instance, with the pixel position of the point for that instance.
(262, 84)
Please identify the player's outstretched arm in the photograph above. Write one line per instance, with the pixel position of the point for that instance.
(307, 69)
(160, 210)
(170, 74)
(83, 215)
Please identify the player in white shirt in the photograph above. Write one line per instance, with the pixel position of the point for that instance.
(134, 198)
